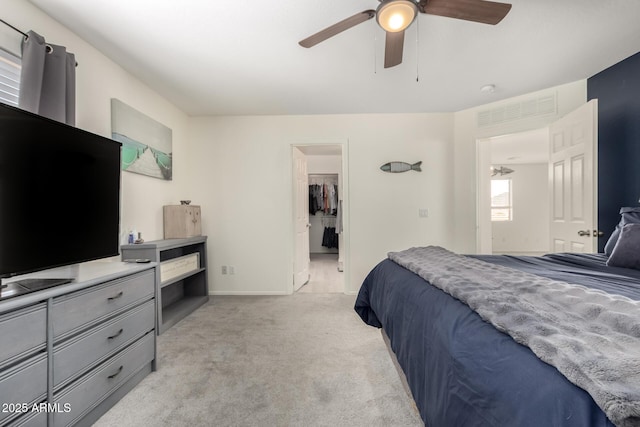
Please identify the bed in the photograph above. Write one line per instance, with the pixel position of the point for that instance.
(463, 371)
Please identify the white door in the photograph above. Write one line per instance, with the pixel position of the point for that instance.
(573, 180)
(301, 213)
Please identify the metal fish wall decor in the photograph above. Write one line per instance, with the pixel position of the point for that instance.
(397, 167)
(502, 170)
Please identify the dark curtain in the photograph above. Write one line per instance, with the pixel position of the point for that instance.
(48, 80)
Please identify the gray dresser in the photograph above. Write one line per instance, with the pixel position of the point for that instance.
(68, 353)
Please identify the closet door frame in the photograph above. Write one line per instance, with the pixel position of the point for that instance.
(325, 146)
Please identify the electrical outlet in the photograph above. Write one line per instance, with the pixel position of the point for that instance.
(423, 213)
(224, 269)
(232, 270)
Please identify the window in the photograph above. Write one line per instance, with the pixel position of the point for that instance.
(501, 206)
(9, 78)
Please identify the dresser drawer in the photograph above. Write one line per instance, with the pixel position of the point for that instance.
(22, 331)
(96, 344)
(78, 310)
(23, 383)
(34, 419)
(85, 393)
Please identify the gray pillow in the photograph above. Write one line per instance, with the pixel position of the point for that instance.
(626, 253)
(628, 215)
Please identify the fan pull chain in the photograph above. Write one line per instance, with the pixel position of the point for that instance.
(417, 50)
(375, 52)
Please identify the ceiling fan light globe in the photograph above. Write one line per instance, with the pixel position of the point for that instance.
(396, 21)
(396, 15)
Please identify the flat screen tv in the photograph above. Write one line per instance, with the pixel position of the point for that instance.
(59, 194)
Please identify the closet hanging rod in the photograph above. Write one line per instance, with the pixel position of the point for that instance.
(13, 28)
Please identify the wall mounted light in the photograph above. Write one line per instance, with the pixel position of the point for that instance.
(396, 15)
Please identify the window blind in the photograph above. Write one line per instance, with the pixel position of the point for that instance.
(9, 78)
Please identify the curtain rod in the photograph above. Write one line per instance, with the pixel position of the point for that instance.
(26, 36)
(13, 28)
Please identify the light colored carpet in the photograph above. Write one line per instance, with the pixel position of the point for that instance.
(299, 360)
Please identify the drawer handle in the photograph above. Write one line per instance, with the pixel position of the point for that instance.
(116, 297)
(116, 335)
(117, 373)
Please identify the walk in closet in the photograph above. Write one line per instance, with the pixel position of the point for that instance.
(324, 200)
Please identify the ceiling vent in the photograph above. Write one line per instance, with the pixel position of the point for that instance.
(535, 107)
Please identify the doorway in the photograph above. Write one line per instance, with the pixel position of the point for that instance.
(571, 186)
(514, 193)
(323, 204)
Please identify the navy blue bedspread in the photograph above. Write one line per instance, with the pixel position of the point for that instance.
(461, 370)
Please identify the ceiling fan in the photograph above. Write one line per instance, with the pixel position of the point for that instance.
(394, 16)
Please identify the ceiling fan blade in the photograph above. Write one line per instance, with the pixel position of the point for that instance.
(393, 46)
(485, 12)
(341, 26)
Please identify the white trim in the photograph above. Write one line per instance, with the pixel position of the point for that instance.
(483, 196)
(317, 142)
(248, 293)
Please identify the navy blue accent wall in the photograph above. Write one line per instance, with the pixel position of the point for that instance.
(618, 92)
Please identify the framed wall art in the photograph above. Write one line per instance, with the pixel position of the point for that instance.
(146, 143)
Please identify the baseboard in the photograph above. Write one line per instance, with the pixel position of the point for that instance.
(257, 293)
(263, 293)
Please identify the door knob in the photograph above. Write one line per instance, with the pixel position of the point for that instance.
(597, 233)
(584, 233)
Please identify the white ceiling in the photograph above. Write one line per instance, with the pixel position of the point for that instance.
(230, 57)
(520, 148)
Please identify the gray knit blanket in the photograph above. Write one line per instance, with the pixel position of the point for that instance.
(590, 336)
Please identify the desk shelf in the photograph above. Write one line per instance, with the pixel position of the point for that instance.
(181, 308)
(181, 277)
(181, 295)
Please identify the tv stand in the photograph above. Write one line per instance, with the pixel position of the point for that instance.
(25, 286)
(76, 349)
(36, 284)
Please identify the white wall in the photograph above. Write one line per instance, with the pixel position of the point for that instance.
(239, 169)
(98, 80)
(318, 163)
(528, 232)
(467, 132)
(242, 170)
